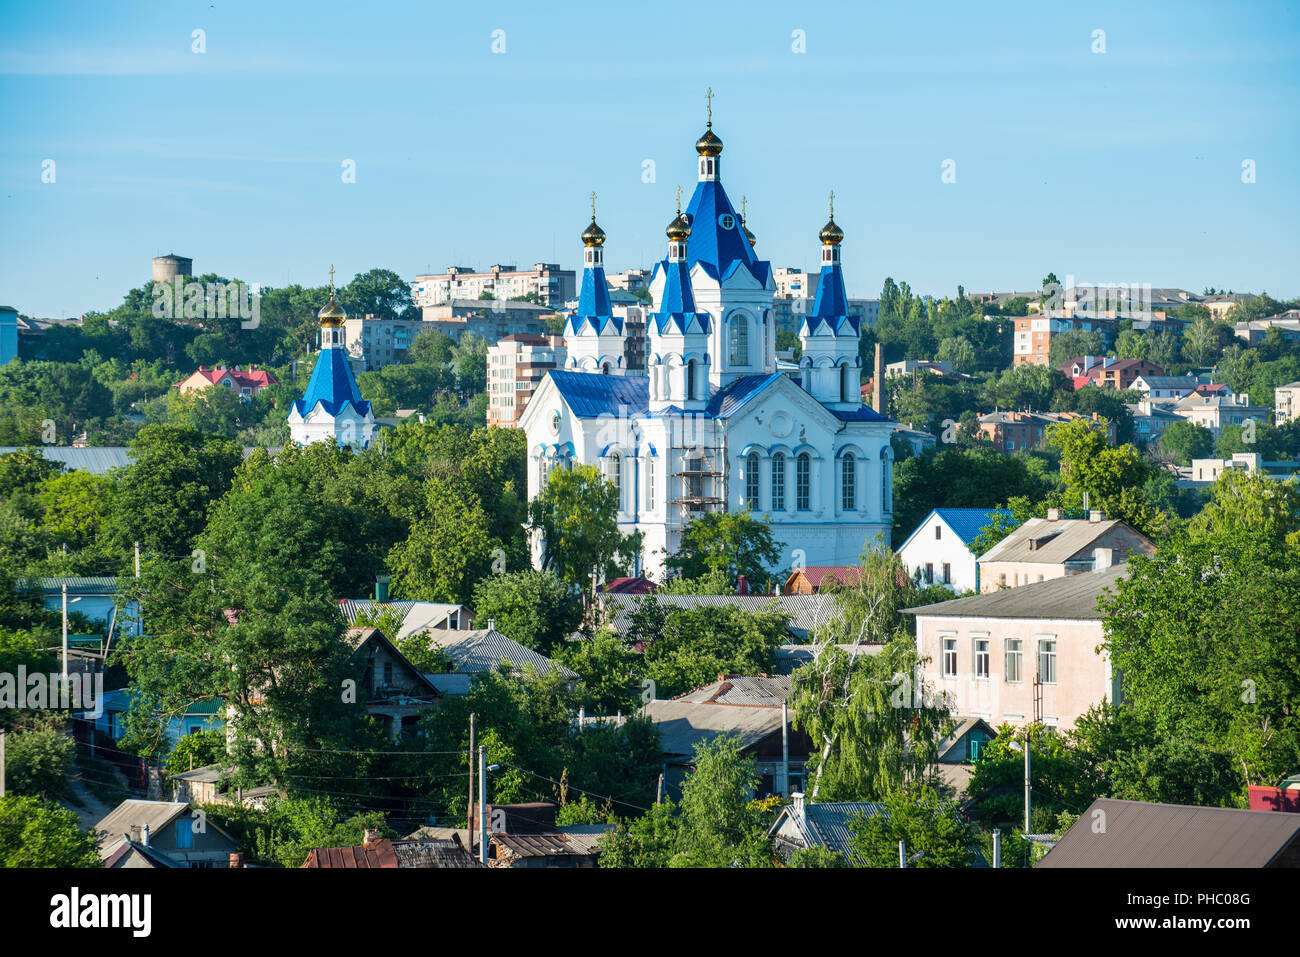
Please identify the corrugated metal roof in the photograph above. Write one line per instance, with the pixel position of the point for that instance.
(1072, 597)
(967, 523)
(684, 724)
(805, 612)
(131, 816)
(729, 399)
(416, 615)
(545, 845)
(827, 825)
(590, 394)
(478, 650)
(1140, 834)
(81, 585)
(97, 460)
(752, 690)
(373, 856)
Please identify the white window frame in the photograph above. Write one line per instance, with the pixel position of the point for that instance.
(1047, 656)
(948, 655)
(1014, 654)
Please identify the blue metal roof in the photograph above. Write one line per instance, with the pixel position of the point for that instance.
(966, 523)
(709, 241)
(730, 398)
(590, 394)
(331, 386)
(831, 307)
(594, 310)
(677, 304)
(862, 413)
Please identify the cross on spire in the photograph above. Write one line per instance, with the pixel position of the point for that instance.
(679, 200)
(331, 280)
(593, 205)
(744, 201)
(832, 204)
(709, 98)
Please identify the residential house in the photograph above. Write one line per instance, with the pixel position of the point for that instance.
(938, 552)
(1204, 472)
(1017, 431)
(1215, 412)
(1055, 547)
(202, 785)
(380, 853)
(415, 615)
(805, 612)
(1021, 655)
(803, 824)
(244, 383)
(111, 722)
(96, 597)
(747, 706)
(918, 439)
(1169, 387)
(629, 586)
(526, 835)
(1151, 420)
(1142, 834)
(1108, 372)
(162, 834)
(395, 690)
(1254, 332)
(811, 579)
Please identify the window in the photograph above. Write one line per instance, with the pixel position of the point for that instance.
(1013, 656)
(388, 673)
(1047, 661)
(802, 467)
(751, 481)
(938, 532)
(650, 484)
(947, 573)
(950, 657)
(184, 833)
(616, 476)
(690, 379)
(849, 483)
(778, 482)
(929, 573)
(981, 657)
(738, 339)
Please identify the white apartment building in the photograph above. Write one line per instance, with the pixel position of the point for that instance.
(372, 343)
(1286, 403)
(552, 284)
(516, 365)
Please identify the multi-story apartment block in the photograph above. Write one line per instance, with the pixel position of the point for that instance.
(631, 280)
(1107, 371)
(516, 365)
(1286, 403)
(373, 343)
(492, 319)
(1033, 335)
(1217, 411)
(548, 281)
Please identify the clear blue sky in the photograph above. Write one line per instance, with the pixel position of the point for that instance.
(1115, 167)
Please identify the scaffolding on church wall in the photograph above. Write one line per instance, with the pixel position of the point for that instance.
(698, 483)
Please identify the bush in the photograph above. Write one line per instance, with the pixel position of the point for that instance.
(39, 763)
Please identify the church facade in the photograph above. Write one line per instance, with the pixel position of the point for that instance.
(713, 424)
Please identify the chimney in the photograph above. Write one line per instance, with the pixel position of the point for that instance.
(742, 585)
(236, 859)
(371, 836)
(1053, 514)
(144, 834)
(877, 392)
(1096, 515)
(492, 624)
(381, 588)
(1102, 558)
(1087, 363)
(796, 802)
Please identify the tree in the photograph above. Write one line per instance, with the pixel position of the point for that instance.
(288, 830)
(1074, 343)
(38, 833)
(576, 515)
(731, 543)
(196, 750)
(609, 672)
(1113, 478)
(1250, 504)
(720, 826)
(695, 645)
(1177, 772)
(534, 608)
(930, 827)
(816, 856)
(379, 292)
(38, 763)
(1184, 441)
(448, 550)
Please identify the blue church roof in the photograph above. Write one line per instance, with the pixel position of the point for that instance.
(830, 312)
(332, 386)
(594, 310)
(590, 394)
(863, 413)
(710, 242)
(731, 397)
(677, 304)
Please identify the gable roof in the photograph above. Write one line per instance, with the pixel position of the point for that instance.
(1073, 597)
(416, 615)
(805, 612)
(684, 724)
(827, 825)
(1069, 537)
(476, 650)
(762, 691)
(816, 575)
(966, 523)
(1140, 834)
(358, 638)
(590, 394)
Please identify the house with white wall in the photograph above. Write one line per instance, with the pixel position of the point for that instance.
(939, 551)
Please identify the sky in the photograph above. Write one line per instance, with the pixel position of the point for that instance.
(1117, 166)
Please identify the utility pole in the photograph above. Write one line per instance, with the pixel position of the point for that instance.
(659, 789)
(1028, 786)
(470, 825)
(2, 762)
(902, 854)
(997, 847)
(785, 751)
(137, 559)
(482, 804)
(65, 637)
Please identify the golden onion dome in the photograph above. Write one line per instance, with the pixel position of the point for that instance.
(831, 234)
(709, 144)
(593, 235)
(748, 235)
(679, 230)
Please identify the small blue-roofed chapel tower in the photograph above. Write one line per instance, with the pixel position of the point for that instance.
(593, 334)
(829, 365)
(332, 410)
(678, 363)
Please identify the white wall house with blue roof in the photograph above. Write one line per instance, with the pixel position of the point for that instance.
(332, 410)
(713, 425)
(939, 552)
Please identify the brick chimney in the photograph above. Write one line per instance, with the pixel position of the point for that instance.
(371, 836)
(1096, 515)
(236, 859)
(742, 585)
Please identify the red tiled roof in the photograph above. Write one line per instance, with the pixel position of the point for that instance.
(244, 378)
(629, 586)
(844, 574)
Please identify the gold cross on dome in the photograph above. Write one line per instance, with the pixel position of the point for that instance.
(679, 200)
(832, 204)
(709, 97)
(331, 280)
(593, 205)
(744, 202)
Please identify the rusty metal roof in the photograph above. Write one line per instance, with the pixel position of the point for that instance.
(375, 855)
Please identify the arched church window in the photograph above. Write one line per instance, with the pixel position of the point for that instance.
(690, 379)
(751, 481)
(615, 475)
(844, 383)
(778, 482)
(605, 369)
(738, 338)
(849, 483)
(802, 482)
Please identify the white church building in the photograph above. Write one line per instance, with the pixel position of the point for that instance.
(713, 425)
(332, 410)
